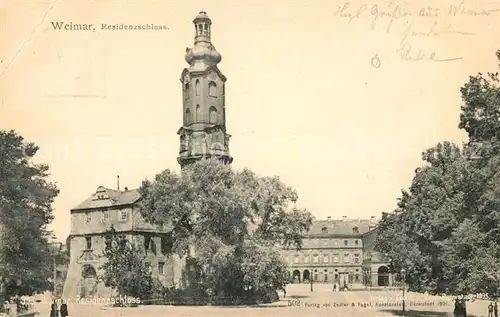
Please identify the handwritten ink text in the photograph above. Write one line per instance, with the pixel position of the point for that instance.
(406, 53)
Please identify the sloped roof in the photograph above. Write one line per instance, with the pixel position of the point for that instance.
(106, 197)
(340, 227)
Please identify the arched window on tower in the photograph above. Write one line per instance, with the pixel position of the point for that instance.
(200, 29)
(213, 115)
(187, 117)
(198, 114)
(212, 89)
(183, 148)
(186, 90)
(197, 87)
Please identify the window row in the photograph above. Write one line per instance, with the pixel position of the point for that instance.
(203, 29)
(213, 115)
(326, 275)
(315, 242)
(355, 230)
(104, 216)
(212, 89)
(326, 258)
(149, 244)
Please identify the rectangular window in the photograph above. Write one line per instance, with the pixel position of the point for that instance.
(105, 216)
(87, 217)
(345, 242)
(148, 266)
(123, 215)
(325, 258)
(166, 245)
(88, 241)
(346, 257)
(316, 259)
(297, 260)
(356, 242)
(335, 258)
(147, 242)
(161, 266)
(306, 258)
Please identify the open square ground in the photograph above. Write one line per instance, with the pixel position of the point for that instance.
(300, 301)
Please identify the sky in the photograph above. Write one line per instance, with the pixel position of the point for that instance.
(338, 99)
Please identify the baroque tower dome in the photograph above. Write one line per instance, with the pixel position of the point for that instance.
(203, 54)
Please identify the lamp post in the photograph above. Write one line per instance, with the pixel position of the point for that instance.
(346, 276)
(311, 279)
(403, 275)
(312, 270)
(391, 273)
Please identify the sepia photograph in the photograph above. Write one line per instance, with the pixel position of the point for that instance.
(215, 158)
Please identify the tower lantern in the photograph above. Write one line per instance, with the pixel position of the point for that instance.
(202, 24)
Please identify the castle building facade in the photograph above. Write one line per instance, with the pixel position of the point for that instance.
(376, 266)
(89, 222)
(339, 251)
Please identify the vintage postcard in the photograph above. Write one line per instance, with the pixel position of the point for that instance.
(253, 158)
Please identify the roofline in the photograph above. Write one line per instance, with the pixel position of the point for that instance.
(370, 231)
(128, 231)
(202, 72)
(331, 235)
(76, 210)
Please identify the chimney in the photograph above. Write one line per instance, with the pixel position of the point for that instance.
(118, 182)
(126, 189)
(344, 217)
(372, 217)
(329, 218)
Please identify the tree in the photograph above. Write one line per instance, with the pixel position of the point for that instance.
(481, 120)
(231, 224)
(480, 110)
(25, 211)
(426, 216)
(448, 221)
(125, 269)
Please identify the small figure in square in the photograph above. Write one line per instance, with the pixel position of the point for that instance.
(63, 309)
(54, 312)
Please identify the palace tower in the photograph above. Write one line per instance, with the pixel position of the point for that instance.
(203, 132)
